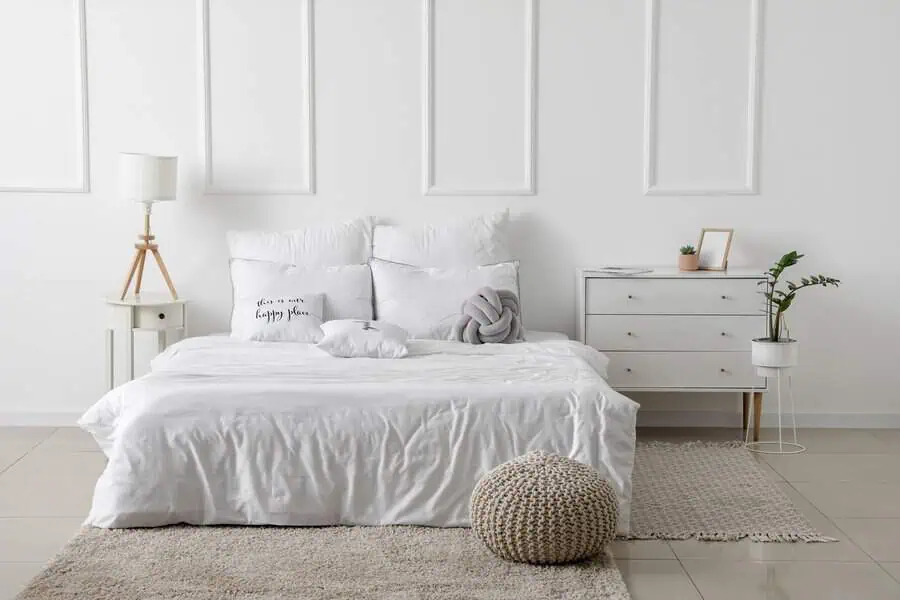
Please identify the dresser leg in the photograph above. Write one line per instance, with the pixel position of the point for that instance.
(757, 414)
(745, 421)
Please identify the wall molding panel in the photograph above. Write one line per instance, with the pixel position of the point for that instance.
(529, 185)
(211, 187)
(83, 185)
(750, 183)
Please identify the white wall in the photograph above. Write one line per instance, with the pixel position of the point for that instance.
(563, 112)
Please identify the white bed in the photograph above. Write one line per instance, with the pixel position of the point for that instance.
(223, 431)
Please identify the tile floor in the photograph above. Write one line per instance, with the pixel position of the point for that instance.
(848, 485)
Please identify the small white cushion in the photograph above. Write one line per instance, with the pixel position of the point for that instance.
(428, 301)
(347, 290)
(465, 242)
(278, 318)
(356, 338)
(324, 245)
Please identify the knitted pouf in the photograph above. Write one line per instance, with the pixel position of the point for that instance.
(542, 508)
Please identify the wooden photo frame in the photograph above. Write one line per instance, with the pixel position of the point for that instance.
(713, 248)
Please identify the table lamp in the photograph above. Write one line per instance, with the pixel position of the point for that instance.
(147, 179)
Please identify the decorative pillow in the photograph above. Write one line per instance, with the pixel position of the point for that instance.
(466, 242)
(490, 316)
(347, 290)
(357, 338)
(323, 245)
(279, 318)
(426, 301)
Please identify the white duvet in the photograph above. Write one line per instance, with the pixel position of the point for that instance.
(230, 432)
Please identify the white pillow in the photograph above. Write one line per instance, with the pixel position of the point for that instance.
(323, 245)
(466, 242)
(428, 301)
(278, 318)
(356, 338)
(347, 289)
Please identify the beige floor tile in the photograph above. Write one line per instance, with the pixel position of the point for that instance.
(842, 551)
(50, 485)
(35, 539)
(642, 549)
(14, 576)
(893, 568)
(889, 437)
(682, 434)
(69, 439)
(879, 538)
(862, 468)
(853, 500)
(9, 457)
(730, 580)
(22, 439)
(656, 580)
(835, 441)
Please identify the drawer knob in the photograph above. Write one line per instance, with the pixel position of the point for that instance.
(722, 370)
(724, 333)
(724, 297)
(630, 297)
(630, 334)
(628, 369)
(161, 315)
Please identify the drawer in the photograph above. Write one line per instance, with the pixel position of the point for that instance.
(635, 296)
(159, 317)
(652, 370)
(673, 332)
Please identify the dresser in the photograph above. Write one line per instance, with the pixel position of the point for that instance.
(673, 331)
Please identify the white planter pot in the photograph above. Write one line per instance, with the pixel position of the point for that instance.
(779, 355)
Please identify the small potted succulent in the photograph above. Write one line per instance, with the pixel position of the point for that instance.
(688, 260)
(778, 349)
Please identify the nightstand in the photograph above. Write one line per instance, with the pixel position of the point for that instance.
(148, 312)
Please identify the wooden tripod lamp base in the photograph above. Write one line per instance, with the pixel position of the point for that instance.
(144, 246)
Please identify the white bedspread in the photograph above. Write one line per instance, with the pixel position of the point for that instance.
(231, 432)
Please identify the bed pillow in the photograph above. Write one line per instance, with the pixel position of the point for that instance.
(347, 290)
(427, 301)
(357, 338)
(323, 245)
(278, 318)
(466, 242)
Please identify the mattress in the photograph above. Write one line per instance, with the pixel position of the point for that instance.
(222, 431)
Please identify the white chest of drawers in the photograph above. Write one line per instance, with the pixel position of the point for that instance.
(669, 330)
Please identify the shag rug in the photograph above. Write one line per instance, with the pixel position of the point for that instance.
(712, 491)
(391, 563)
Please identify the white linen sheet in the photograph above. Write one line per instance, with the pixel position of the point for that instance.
(224, 431)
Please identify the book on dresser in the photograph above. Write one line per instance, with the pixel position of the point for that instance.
(676, 331)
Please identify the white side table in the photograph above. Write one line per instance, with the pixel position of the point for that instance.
(147, 312)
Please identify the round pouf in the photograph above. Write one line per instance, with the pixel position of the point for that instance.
(542, 508)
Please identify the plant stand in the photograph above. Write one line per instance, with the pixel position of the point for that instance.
(780, 446)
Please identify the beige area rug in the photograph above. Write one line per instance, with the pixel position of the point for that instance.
(712, 491)
(391, 563)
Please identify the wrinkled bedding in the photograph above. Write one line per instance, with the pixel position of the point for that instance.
(223, 431)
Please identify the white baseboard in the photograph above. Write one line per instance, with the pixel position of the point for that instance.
(708, 418)
(39, 419)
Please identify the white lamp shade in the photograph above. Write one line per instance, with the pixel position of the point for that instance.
(146, 178)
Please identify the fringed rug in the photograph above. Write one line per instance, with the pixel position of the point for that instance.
(256, 563)
(712, 491)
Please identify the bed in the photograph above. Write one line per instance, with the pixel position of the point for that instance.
(224, 431)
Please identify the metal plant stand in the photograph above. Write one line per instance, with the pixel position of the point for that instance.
(780, 446)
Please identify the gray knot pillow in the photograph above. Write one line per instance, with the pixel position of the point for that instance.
(490, 316)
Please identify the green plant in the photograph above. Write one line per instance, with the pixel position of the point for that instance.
(687, 250)
(778, 301)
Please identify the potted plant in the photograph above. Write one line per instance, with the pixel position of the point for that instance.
(688, 260)
(777, 349)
